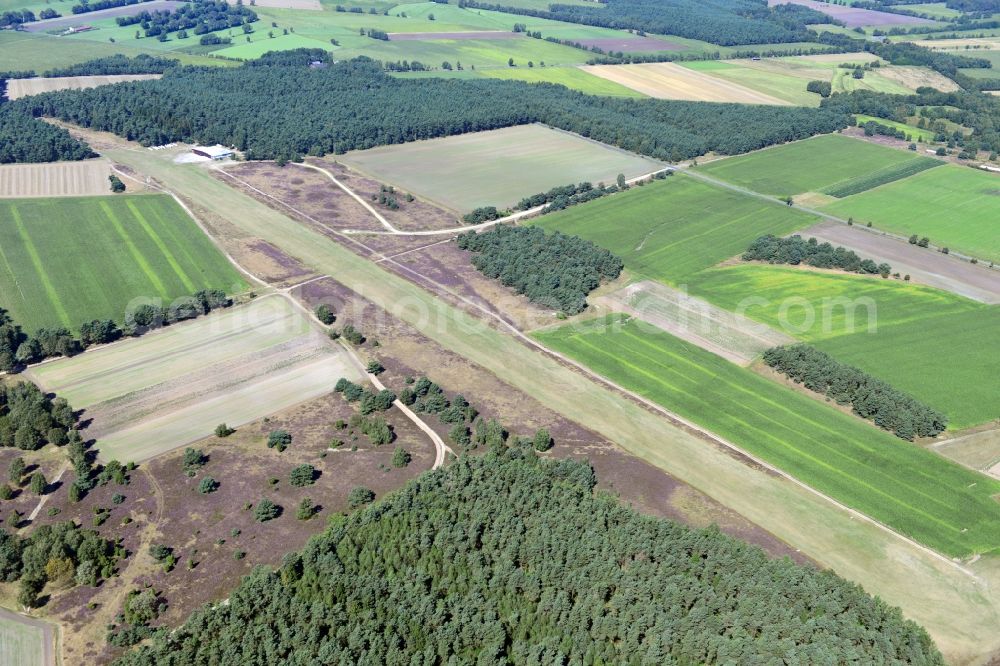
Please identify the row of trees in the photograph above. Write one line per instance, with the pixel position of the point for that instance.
(200, 17)
(796, 250)
(86, 6)
(553, 270)
(496, 559)
(18, 349)
(116, 64)
(275, 109)
(869, 397)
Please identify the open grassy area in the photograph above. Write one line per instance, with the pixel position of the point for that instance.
(496, 168)
(571, 77)
(945, 360)
(956, 207)
(671, 229)
(920, 494)
(69, 260)
(811, 165)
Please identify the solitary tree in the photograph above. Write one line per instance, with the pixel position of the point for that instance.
(401, 457)
(302, 475)
(279, 439)
(38, 483)
(207, 485)
(542, 440)
(17, 470)
(306, 509)
(266, 510)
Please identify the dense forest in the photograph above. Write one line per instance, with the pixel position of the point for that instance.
(275, 110)
(869, 397)
(26, 139)
(553, 270)
(116, 64)
(723, 22)
(510, 559)
(29, 418)
(796, 250)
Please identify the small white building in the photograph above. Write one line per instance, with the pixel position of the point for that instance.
(216, 152)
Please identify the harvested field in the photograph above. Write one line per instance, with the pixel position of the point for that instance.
(917, 77)
(17, 88)
(924, 496)
(70, 20)
(719, 331)
(55, 179)
(633, 45)
(64, 261)
(24, 641)
(495, 168)
(979, 450)
(924, 266)
(147, 396)
(854, 17)
(666, 80)
(424, 36)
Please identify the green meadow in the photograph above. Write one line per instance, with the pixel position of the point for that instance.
(918, 493)
(66, 261)
(671, 229)
(956, 207)
(813, 165)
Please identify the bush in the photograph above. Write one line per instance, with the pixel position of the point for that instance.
(360, 496)
(325, 314)
(223, 430)
(208, 485)
(374, 368)
(266, 510)
(279, 439)
(194, 458)
(302, 475)
(542, 440)
(306, 509)
(401, 457)
(117, 186)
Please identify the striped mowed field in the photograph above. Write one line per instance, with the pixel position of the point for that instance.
(922, 495)
(69, 260)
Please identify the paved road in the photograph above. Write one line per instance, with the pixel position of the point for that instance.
(68, 20)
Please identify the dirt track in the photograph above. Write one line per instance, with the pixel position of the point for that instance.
(925, 266)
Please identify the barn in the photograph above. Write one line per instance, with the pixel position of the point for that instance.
(216, 152)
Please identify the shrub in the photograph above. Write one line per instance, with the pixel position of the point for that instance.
(360, 496)
(223, 430)
(302, 475)
(279, 439)
(266, 510)
(306, 509)
(401, 457)
(194, 458)
(325, 314)
(208, 485)
(542, 440)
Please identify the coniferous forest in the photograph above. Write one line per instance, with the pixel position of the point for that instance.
(282, 108)
(511, 559)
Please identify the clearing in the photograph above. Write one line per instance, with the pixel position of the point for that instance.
(853, 17)
(667, 80)
(671, 229)
(958, 208)
(818, 164)
(55, 179)
(734, 338)
(909, 488)
(173, 386)
(17, 88)
(925, 266)
(65, 261)
(496, 168)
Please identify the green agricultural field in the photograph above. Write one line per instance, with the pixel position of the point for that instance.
(915, 133)
(496, 168)
(671, 229)
(20, 643)
(934, 10)
(916, 492)
(954, 206)
(814, 306)
(39, 52)
(243, 50)
(812, 165)
(948, 361)
(69, 260)
(571, 77)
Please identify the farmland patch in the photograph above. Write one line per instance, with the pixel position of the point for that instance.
(666, 80)
(483, 34)
(55, 179)
(65, 261)
(168, 388)
(17, 88)
(671, 229)
(812, 165)
(908, 488)
(497, 167)
(854, 17)
(633, 45)
(958, 208)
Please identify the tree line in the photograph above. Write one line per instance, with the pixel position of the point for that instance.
(116, 64)
(278, 110)
(796, 250)
(553, 270)
(496, 559)
(869, 397)
(18, 349)
(200, 16)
